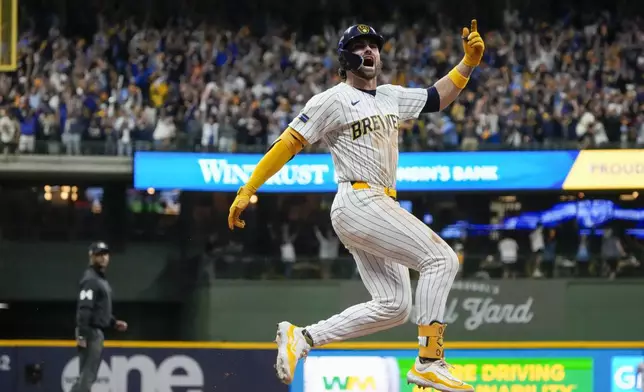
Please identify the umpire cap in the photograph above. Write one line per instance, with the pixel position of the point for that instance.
(348, 60)
(98, 248)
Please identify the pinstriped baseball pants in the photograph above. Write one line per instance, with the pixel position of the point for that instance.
(386, 241)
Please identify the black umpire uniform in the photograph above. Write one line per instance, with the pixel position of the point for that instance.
(93, 316)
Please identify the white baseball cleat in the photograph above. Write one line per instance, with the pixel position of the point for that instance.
(291, 347)
(436, 375)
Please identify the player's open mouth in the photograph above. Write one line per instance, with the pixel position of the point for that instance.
(368, 62)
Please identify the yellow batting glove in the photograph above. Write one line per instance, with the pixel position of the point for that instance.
(473, 45)
(239, 204)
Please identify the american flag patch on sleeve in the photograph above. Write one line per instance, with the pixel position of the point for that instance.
(303, 117)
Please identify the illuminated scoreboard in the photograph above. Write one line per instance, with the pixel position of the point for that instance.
(8, 34)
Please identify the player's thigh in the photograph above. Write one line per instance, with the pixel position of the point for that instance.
(383, 228)
(385, 279)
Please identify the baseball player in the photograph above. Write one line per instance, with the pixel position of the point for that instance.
(358, 120)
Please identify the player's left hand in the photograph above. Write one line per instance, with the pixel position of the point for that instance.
(473, 45)
(239, 204)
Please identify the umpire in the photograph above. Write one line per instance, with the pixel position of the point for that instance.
(93, 316)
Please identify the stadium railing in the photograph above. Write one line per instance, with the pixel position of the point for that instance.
(102, 148)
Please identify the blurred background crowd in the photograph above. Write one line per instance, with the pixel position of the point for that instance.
(94, 79)
(119, 84)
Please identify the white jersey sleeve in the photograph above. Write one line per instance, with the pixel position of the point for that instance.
(410, 100)
(320, 115)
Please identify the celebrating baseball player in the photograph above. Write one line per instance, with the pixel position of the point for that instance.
(358, 120)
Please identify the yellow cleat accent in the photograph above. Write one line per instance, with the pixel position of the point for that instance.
(436, 375)
(291, 347)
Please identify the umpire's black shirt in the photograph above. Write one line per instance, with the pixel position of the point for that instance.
(94, 303)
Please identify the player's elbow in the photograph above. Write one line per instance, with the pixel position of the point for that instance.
(433, 102)
(446, 93)
(293, 141)
(447, 99)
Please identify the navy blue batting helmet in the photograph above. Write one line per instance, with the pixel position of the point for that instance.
(99, 248)
(348, 60)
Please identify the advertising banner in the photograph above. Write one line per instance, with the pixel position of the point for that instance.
(606, 169)
(520, 374)
(351, 374)
(491, 309)
(486, 370)
(207, 366)
(627, 373)
(144, 370)
(7, 368)
(516, 310)
(417, 171)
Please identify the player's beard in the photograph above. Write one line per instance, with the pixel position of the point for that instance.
(370, 72)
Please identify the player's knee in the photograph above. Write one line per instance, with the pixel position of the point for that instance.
(447, 264)
(452, 263)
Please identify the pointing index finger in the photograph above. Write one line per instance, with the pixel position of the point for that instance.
(475, 26)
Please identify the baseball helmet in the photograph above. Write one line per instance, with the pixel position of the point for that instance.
(350, 61)
(98, 248)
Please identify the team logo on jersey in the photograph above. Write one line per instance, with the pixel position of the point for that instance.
(388, 123)
(303, 117)
(363, 29)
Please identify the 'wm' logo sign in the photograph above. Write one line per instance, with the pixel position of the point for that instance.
(350, 383)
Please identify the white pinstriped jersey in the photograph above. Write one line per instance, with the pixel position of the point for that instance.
(360, 129)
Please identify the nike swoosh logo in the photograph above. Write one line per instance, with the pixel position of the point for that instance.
(354, 103)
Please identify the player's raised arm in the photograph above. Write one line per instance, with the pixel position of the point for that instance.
(317, 117)
(414, 101)
(450, 85)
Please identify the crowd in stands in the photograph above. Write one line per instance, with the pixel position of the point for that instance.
(540, 253)
(576, 82)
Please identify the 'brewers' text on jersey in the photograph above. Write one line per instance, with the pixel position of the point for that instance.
(361, 128)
